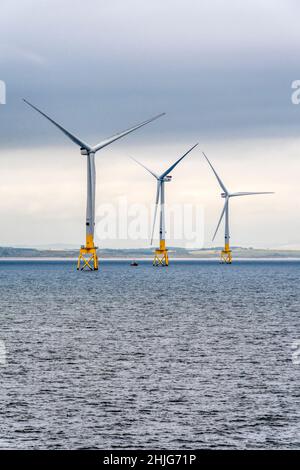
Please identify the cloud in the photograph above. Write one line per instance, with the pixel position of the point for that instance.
(216, 67)
(43, 191)
(20, 56)
(221, 70)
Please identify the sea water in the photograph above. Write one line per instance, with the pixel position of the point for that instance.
(196, 355)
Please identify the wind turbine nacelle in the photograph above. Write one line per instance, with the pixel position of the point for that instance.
(167, 178)
(83, 151)
(223, 194)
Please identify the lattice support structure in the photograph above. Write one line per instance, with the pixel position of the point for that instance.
(226, 256)
(88, 258)
(161, 255)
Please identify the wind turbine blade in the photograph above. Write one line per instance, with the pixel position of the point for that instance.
(216, 175)
(250, 194)
(119, 135)
(74, 139)
(152, 173)
(155, 210)
(176, 163)
(220, 220)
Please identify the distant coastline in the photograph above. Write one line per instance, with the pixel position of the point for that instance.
(175, 252)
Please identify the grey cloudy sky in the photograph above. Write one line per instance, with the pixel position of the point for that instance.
(222, 70)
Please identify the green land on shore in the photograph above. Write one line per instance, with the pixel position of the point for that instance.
(175, 252)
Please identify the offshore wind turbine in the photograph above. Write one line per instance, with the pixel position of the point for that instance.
(161, 254)
(226, 256)
(88, 252)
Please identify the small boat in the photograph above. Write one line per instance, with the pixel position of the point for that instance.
(134, 263)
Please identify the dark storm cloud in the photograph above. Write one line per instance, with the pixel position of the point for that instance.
(221, 69)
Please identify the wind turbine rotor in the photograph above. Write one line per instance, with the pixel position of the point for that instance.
(83, 145)
(221, 217)
(88, 253)
(119, 135)
(146, 168)
(165, 173)
(161, 254)
(158, 189)
(250, 193)
(218, 177)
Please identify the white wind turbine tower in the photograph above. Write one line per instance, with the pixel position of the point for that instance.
(88, 252)
(226, 256)
(161, 254)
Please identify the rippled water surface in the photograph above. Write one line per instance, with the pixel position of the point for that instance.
(197, 355)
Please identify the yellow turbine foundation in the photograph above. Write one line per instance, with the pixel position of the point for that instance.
(161, 255)
(88, 258)
(226, 256)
